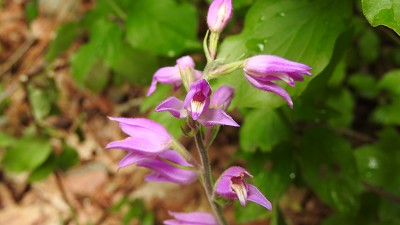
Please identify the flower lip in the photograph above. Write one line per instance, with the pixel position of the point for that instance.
(239, 187)
(198, 98)
(232, 185)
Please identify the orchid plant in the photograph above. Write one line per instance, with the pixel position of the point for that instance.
(150, 145)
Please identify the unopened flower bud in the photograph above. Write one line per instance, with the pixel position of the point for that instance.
(219, 14)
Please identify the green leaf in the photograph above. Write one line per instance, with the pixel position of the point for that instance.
(68, 158)
(390, 82)
(388, 114)
(162, 27)
(82, 63)
(135, 65)
(263, 129)
(377, 162)
(328, 166)
(31, 10)
(65, 36)
(342, 101)
(6, 140)
(44, 170)
(364, 84)
(274, 27)
(41, 101)
(383, 12)
(369, 45)
(27, 154)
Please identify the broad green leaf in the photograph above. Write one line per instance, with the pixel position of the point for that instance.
(364, 84)
(300, 30)
(162, 27)
(378, 161)
(383, 12)
(27, 154)
(82, 63)
(369, 45)
(44, 170)
(342, 101)
(6, 140)
(338, 75)
(328, 166)
(41, 101)
(388, 114)
(68, 158)
(135, 65)
(263, 129)
(97, 77)
(65, 36)
(31, 10)
(390, 82)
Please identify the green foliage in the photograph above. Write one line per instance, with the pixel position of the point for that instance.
(31, 10)
(390, 82)
(263, 129)
(383, 12)
(27, 154)
(333, 178)
(158, 27)
(136, 210)
(66, 35)
(364, 84)
(274, 27)
(42, 100)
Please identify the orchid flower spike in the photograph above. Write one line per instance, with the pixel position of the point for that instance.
(146, 136)
(193, 218)
(196, 105)
(232, 185)
(262, 70)
(219, 14)
(168, 166)
(173, 74)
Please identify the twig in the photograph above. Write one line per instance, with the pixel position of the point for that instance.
(65, 198)
(379, 191)
(17, 54)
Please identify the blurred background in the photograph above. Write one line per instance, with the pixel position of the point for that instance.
(67, 65)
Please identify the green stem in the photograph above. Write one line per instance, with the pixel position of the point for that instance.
(205, 47)
(207, 178)
(184, 153)
(117, 9)
(214, 38)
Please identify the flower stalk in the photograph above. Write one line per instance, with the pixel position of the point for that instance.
(207, 178)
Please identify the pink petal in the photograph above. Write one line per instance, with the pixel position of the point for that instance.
(143, 145)
(270, 87)
(173, 106)
(165, 75)
(193, 218)
(256, 196)
(214, 117)
(222, 97)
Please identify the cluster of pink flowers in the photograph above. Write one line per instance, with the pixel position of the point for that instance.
(150, 145)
